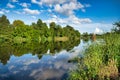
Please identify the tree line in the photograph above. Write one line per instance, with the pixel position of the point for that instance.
(19, 32)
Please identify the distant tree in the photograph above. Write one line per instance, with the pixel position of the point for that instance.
(18, 23)
(4, 22)
(4, 25)
(39, 25)
(52, 28)
(117, 27)
(58, 30)
(77, 33)
(39, 22)
(70, 31)
(52, 25)
(85, 34)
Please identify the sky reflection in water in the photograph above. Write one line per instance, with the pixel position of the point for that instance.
(49, 67)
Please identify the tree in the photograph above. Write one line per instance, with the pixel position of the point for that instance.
(85, 34)
(58, 30)
(85, 37)
(39, 22)
(18, 23)
(52, 28)
(4, 24)
(117, 27)
(77, 33)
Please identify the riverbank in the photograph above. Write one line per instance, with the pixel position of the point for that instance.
(100, 61)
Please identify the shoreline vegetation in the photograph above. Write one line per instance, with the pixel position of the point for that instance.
(19, 32)
(101, 61)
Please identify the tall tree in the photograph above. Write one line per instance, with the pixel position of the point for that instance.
(4, 24)
(39, 24)
(52, 28)
(18, 23)
(117, 27)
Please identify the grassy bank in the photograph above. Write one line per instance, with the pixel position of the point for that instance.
(100, 61)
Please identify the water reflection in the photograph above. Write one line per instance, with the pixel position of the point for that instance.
(7, 49)
(33, 61)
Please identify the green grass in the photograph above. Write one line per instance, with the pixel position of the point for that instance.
(101, 61)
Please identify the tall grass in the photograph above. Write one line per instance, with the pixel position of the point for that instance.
(100, 61)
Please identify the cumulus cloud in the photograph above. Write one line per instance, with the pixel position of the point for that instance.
(49, 10)
(98, 31)
(68, 8)
(10, 5)
(91, 27)
(32, 61)
(48, 2)
(34, 17)
(70, 20)
(52, 1)
(29, 11)
(6, 11)
(25, 5)
(83, 10)
(87, 5)
(17, 12)
(65, 7)
(1, 12)
(14, 0)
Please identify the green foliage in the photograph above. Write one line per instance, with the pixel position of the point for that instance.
(4, 24)
(100, 60)
(85, 37)
(18, 32)
(116, 27)
(18, 23)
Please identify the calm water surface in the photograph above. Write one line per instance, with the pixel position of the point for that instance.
(44, 63)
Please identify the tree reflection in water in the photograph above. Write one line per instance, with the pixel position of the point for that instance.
(39, 49)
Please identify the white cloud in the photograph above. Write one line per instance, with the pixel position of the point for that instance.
(68, 8)
(49, 10)
(48, 2)
(11, 67)
(91, 27)
(29, 11)
(52, 1)
(17, 12)
(34, 17)
(83, 10)
(1, 12)
(65, 7)
(87, 5)
(98, 31)
(25, 4)
(14, 0)
(10, 5)
(70, 20)
(35, 1)
(6, 11)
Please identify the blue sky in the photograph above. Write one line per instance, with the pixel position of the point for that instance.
(84, 15)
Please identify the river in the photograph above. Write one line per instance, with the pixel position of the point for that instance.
(43, 61)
